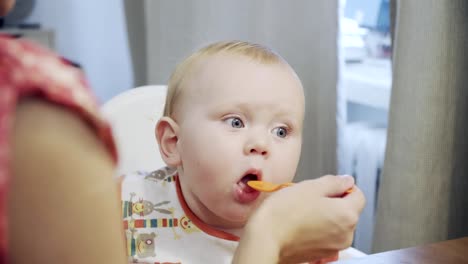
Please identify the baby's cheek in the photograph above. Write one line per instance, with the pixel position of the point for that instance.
(285, 171)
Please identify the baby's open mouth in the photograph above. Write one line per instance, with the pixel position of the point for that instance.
(243, 182)
(244, 193)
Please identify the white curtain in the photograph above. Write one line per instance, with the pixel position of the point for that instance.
(425, 179)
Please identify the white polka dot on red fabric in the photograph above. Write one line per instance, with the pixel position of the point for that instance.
(62, 77)
(28, 60)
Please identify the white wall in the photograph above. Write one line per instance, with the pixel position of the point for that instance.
(93, 34)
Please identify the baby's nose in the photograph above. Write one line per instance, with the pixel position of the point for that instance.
(257, 147)
(258, 150)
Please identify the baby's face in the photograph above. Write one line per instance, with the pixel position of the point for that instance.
(238, 120)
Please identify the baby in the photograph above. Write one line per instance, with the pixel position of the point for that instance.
(234, 112)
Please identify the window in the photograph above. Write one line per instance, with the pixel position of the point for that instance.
(366, 82)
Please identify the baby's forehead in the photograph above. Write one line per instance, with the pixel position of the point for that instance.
(221, 72)
(223, 68)
(209, 66)
(217, 61)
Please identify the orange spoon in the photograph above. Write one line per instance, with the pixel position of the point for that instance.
(350, 190)
(264, 186)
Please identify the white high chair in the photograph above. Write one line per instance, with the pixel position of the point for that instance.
(133, 115)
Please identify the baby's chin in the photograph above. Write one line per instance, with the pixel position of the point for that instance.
(237, 216)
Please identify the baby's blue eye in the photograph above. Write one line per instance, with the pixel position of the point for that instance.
(236, 122)
(281, 132)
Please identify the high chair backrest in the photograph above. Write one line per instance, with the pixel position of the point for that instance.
(133, 115)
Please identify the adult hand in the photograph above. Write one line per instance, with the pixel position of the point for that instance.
(306, 222)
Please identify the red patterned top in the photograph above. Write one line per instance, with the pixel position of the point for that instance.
(27, 70)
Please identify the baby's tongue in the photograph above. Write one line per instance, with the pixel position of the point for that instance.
(243, 183)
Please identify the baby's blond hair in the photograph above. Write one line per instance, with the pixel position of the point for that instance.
(253, 51)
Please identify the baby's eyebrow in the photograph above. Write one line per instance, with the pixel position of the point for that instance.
(278, 111)
(287, 113)
(269, 106)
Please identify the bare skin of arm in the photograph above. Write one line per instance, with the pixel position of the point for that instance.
(63, 204)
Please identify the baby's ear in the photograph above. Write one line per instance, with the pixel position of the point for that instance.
(166, 134)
